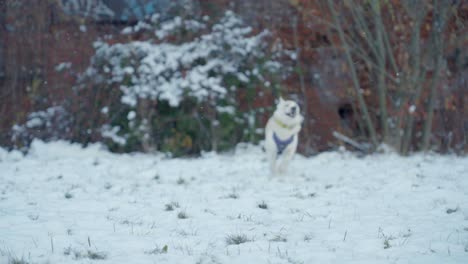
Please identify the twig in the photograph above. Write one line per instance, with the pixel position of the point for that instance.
(349, 141)
(52, 244)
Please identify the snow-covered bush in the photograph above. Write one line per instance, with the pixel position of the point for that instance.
(188, 87)
(52, 123)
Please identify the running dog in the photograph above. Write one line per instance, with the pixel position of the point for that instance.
(281, 135)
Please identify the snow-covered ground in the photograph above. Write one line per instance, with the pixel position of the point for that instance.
(65, 204)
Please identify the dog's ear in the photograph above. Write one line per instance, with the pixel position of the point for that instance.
(281, 100)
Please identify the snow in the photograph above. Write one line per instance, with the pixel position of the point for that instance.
(105, 110)
(62, 203)
(87, 8)
(44, 121)
(131, 115)
(112, 133)
(34, 122)
(63, 66)
(172, 71)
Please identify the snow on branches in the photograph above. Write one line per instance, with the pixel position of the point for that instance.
(186, 58)
(196, 68)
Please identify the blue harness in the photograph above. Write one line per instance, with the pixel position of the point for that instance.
(281, 144)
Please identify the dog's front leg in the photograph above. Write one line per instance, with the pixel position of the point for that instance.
(284, 163)
(272, 156)
(286, 157)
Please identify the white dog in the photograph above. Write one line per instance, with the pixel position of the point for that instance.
(281, 135)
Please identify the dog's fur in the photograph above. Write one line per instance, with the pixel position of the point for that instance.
(285, 123)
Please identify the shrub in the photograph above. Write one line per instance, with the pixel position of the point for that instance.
(188, 87)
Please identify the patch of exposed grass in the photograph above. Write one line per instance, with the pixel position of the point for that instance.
(181, 181)
(89, 254)
(279, 238)
(68, 195)
(182, 215)
(16, 260)
(386, 241)
(157, 250)
(308, 237)
(186, 233)
(237, 239)
(262, 205)
(171, 206)
(67, 251)
(451, 211)
(33, 217)
(233, 195)
(96, 255)
(388, 238)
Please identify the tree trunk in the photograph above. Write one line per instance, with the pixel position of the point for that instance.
(416, 81)
(381, 62)
(300, 72)
(356, 85)
(438, 23)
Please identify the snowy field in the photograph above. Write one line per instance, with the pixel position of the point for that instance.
(64, 204)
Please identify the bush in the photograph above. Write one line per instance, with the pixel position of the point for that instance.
(188, 87)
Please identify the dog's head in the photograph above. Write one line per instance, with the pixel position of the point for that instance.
(288, 111)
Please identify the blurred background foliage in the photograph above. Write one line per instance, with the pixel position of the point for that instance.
(187, 76)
